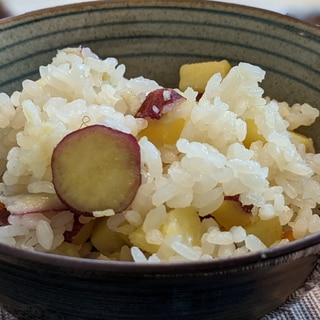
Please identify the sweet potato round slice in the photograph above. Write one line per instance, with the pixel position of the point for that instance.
(96, 168)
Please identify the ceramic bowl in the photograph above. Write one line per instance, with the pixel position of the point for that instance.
(153, 38)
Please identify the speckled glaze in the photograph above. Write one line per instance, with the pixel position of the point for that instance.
(153, 38)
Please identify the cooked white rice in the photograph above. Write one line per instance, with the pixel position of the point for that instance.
(279, 178)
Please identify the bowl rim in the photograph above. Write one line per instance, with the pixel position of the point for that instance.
(309, 245)
(52, 11)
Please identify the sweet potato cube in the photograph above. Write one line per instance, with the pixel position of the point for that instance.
(196, 75)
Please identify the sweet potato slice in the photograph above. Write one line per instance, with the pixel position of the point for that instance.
(96, 168)
(159, 102)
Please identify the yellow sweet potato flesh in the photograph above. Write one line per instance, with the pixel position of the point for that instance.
(163, 131)
(196, 75)
(253, 134)
(300, 138)
(268, 231)
(230, 214)
(106, 240)
(138, 239)
(84, 233)
(67, 249)
(184, 222)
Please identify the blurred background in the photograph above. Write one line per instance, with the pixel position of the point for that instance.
(308, 10)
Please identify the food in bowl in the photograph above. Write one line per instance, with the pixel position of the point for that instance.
(195, 173)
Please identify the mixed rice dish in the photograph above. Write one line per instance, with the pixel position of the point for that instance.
(222, 171)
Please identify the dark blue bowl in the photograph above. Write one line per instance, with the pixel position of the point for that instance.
(153, 38)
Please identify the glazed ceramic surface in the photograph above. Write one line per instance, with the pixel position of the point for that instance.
(153, 38)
